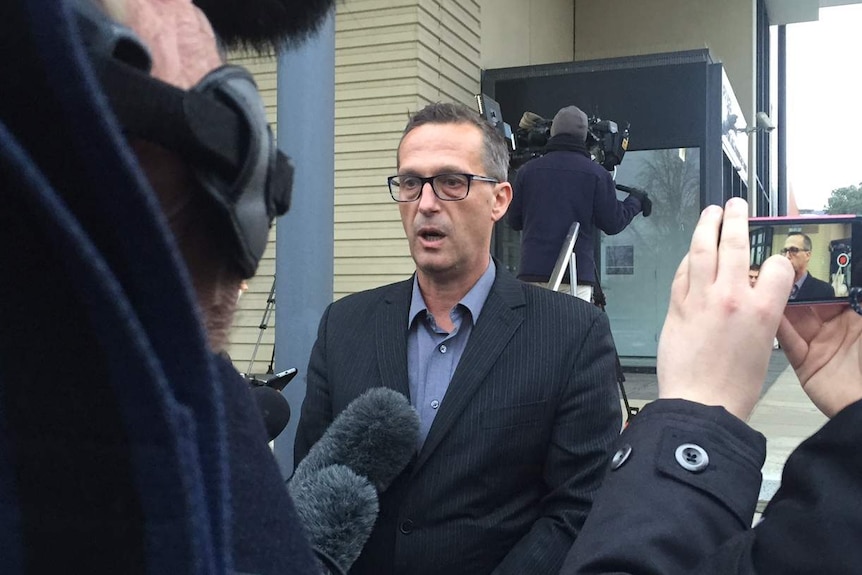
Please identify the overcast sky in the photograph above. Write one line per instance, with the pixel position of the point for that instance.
(824, 104)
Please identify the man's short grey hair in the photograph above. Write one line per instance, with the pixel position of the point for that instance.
(495, 154)
(806, 241)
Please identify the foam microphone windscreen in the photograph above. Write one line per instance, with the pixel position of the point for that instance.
(265, 24)
(274, 409)
(375, 436)
(338, 509)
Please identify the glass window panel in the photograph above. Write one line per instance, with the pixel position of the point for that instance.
(637, 302)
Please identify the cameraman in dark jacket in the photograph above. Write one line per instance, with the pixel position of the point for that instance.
(562, 187)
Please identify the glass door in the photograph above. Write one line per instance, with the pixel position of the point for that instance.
(638, 264)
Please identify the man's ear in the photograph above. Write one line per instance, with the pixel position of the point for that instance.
(502, 199)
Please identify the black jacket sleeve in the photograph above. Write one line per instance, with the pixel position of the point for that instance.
(317, 406)
(654, 515)
(610, 214)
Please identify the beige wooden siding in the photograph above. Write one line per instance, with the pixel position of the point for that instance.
(251, 307)
(391, 58)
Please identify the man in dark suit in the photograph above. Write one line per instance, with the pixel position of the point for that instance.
(681, 490)
(514, 384)
(797, 249)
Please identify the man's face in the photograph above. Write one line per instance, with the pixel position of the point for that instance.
(752, 277)
(450, 241)
(794, 250)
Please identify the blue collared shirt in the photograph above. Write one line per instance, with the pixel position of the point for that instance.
(798, 286)
(433, 354)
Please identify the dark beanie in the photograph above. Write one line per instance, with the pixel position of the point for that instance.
(570, 120)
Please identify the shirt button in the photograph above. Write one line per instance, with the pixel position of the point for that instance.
(443, 348)
(406, 527)
(621, 456)
(435, 404)
(692, 457)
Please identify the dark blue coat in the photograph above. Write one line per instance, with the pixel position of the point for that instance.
(125, 446)
(552, 192)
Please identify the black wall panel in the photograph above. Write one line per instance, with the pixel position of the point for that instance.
(664, 105)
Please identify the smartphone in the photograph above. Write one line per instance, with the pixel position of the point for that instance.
(280, 380)
(820, 249)
(277, 381)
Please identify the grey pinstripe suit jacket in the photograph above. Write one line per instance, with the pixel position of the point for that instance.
(508, 470)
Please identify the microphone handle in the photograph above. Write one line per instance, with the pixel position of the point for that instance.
(328, 562)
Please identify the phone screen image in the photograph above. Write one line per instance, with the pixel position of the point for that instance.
(820, 249)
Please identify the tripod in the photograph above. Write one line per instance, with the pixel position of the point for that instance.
(264, 323)
(279, 380)
(566, 259)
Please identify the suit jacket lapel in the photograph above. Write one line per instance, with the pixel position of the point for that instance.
(391, 334)
(501, 316)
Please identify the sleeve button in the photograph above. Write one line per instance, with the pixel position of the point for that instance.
(692, 457)
(621, 456)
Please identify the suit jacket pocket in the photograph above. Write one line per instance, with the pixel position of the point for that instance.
(525, 414)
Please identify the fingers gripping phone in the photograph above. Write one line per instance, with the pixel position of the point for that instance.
(820, 249)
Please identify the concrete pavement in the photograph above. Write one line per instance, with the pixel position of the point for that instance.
(786, 416)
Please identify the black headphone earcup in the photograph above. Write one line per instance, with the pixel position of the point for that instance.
(259, 190)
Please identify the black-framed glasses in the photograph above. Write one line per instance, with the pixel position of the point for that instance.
(792, 250)
(447, 187)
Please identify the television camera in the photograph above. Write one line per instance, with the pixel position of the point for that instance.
(606, 143)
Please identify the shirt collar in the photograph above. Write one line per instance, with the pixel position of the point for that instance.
(473, 300)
